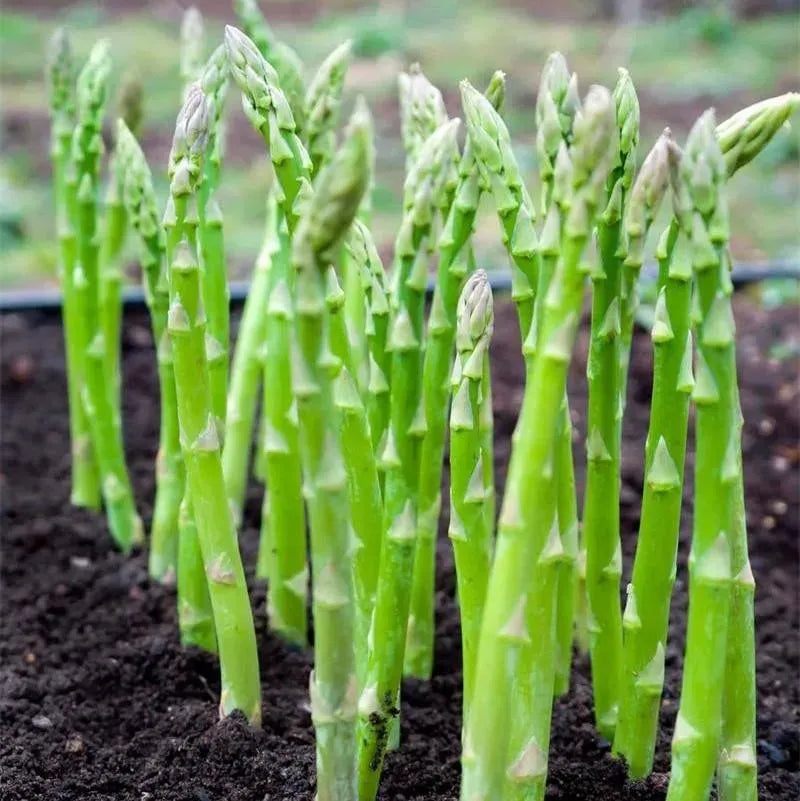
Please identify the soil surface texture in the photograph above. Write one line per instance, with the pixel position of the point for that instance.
(98, 701)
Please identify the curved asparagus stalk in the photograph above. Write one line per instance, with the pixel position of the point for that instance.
(85, 490)
(379, 700)
(454, 254)
(697, 730)
(322, 103)
(470, 526)
(743, 136)
(322, 227)
(647, 609)
(489, 757)
(140, 203)
(609, 338)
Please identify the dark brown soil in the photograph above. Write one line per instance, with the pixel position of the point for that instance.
(98, 700)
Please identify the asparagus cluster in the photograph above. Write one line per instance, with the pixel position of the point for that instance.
(358, 388)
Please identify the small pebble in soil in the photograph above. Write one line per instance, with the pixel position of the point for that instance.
(80, 561)
(41, 722)
(21, 369)
(74, 744)
(766, 426)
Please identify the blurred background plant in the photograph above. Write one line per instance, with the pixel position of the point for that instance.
(683, 57)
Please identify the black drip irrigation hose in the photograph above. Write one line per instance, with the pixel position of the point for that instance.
(743, 274)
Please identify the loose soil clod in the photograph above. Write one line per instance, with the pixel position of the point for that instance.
(90, 645)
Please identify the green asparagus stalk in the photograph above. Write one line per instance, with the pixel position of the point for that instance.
(280, 56)
(246, 370)
(746, 133)
(647, 609)
(326, 219)
(604, 422)
(199, 434)
(526, 532)
(192, 46)
(214, 82)
(378, 704)
(82, 173)
(181, 221)
(85, 490)
(362, 252)
(364, 489)
(140, 203)
(422, 111)
(97, 394)
(454, 257)
(470, 527)
(322, 103)
(285, 519)
(115, 229)
(696, 739)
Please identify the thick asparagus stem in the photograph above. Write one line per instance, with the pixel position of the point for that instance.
(364, 489)
(604, 422)
(528, 513)
(140, 203)
(697, 730)
(470, 526)
(454, 252)
(378, 704)
(288, 573)
(318, 238)
(647, 610)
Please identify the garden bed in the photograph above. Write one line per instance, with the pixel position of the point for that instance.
(99, 701)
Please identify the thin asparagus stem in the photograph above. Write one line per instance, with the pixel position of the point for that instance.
(609, 339)
(490, 758)
(378, 704)
(703, 206)
(470, 526)
(647, 609)
(454, 260)
(140, 203)
(192, 43)
(322, 227)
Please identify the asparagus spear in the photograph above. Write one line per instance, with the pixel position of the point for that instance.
(140, 203)
(556, 106)
(280, 56)
(285, 518)
(322, 103)
(319, 234)
(82, 173)
(454, 259)
(378, 702)
(601, 499)
(191, 46)
(61, 78)
(697, 729)
(422, 111)
(471, 414)
(199, 433)
(528, 512)
(647, 609)
(115, 229)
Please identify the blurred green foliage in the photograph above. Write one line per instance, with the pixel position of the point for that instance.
(680, 65)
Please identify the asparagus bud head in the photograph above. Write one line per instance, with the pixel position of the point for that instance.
(475, 312)
(61, 76)
(190, 140)
(746, 133)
